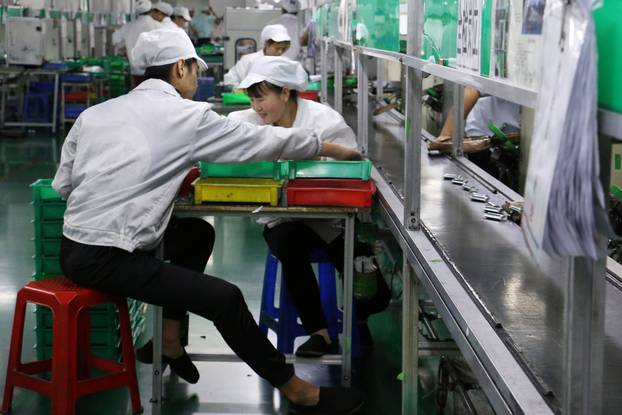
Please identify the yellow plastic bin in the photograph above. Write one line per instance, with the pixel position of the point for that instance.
(237, 190)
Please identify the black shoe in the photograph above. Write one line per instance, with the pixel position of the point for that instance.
(333, 401)
(145, 354)
(316, 346)
(181, 366)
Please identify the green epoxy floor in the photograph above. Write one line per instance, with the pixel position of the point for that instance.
(224, 388)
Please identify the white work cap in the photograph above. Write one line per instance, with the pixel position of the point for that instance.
(164, 7)
(290, 6)
(278, 71)
(162, 47)
(182, 12)
(142, 6)
(276, 33)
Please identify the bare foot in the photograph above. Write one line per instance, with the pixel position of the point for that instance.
(172, 348)
(300, 392)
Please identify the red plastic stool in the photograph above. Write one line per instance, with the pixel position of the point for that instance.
(71, 357)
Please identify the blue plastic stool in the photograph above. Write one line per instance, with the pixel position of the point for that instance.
(283, 320)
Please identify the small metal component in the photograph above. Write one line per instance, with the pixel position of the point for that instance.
(459, 182)
(450, 176)
(478, 197)
(491, 209)
(499, 217)
(467, 187)
(492, 204)
(434, 153)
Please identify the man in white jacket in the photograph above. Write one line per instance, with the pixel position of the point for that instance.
(275, 41)
(121, 166)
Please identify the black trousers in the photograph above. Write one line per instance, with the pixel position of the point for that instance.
(292, 243)
(141, 276)
(189, 243)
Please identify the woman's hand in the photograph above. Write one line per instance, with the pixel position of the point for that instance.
(339, 152)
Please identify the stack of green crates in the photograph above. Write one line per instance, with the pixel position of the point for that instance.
(117, 71)
(49, 210)
(105, 337)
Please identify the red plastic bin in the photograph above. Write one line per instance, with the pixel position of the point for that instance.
(76, 96)
(310, 95)
(330, 192)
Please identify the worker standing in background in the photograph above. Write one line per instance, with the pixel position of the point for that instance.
(273, 84)
(121, 166)
(181, 17)
(289, 19)
(203, 25)
(275, 42)
(128, 34)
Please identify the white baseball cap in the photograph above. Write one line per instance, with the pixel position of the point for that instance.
(142, 6)
(276, 33)
(164, 7)
(162, 47)
(290, 6)
(277, 70)
(182, 12)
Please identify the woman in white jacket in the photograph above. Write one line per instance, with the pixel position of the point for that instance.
(273, 85)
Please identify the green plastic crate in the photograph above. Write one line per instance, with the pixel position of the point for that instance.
(102, 316)
(48, 266)
(275, 170)
(47, 247)
(99, 337)
(307, 169)
(235, 98)
(110, 353)
(49, 211)
(42, 191)
(49, 230)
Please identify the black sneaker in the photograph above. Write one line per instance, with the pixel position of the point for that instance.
(316, 346)
(333, 401)
(144, 354)
(181, 366)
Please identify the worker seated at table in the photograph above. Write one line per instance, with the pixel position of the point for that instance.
(121, 166)
(273, 85)
(480, 111)
(275, 42)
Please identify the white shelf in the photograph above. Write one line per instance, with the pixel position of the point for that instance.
(498, 87)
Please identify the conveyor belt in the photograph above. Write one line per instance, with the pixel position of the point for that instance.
(524, 303)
